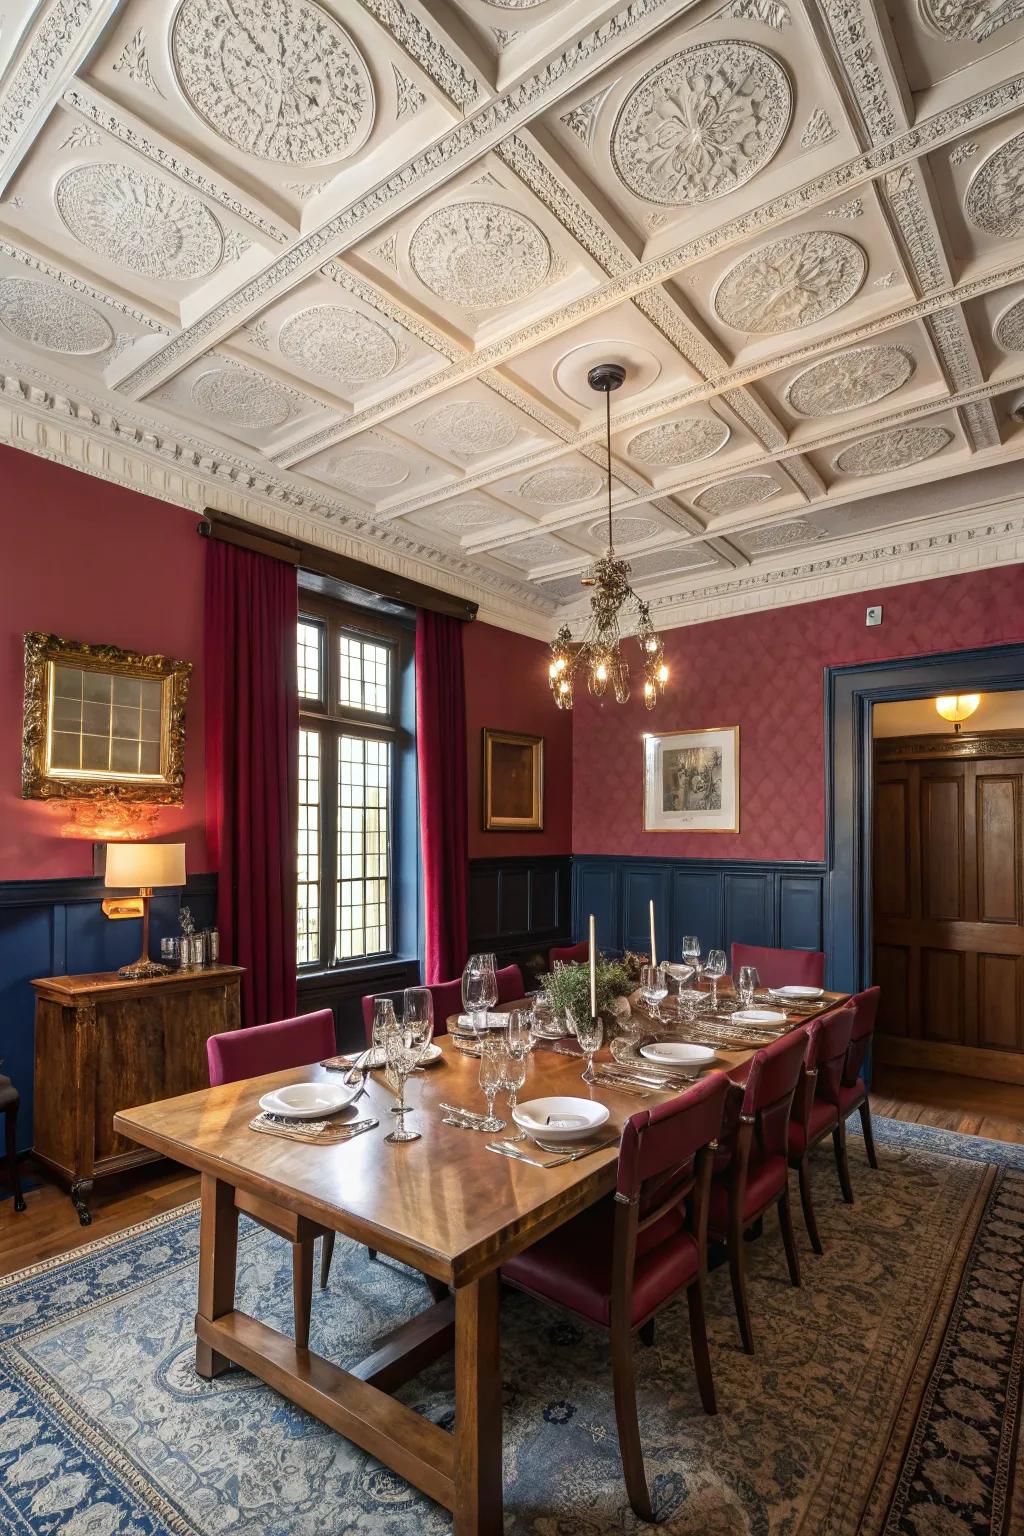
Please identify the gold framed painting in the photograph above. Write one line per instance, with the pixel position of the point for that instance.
(101, 722)
(512, 797)
(692, 780)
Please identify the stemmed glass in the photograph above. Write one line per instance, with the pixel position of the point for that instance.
(491, 1078)
(654, 988)
(517, 1045)
(589, 1033)
(383, 1020)
(479, 989)
(714, 969)
(747, 983)
(404, 1046)
(691, 953)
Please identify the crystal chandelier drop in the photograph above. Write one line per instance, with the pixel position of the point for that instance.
(599, 654)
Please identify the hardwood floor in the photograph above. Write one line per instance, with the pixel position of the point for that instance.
(50, 1226)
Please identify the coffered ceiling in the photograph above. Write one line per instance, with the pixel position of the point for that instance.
(342, 268)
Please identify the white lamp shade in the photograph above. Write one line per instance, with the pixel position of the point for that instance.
(957, 706)
(134, 866)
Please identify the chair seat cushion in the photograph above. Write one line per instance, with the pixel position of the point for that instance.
(823, 1117)
(572, 1266)
(9, 1095)
(766, 1179)
(850, 1095)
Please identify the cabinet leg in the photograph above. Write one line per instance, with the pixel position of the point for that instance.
(81, 1189)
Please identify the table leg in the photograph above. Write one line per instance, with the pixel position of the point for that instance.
(478, 1493)
(218, 1244)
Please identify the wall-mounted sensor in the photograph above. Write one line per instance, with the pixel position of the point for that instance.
(873, 616)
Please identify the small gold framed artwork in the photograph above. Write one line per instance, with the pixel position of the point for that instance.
(101, 722)
(513, 782)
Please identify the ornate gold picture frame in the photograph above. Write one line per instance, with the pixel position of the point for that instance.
(101, 722)
(513, 782)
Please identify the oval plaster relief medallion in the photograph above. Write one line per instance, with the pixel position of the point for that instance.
(467, 428)
(479, 255)
(702, 124)
(780, 536)
(628, 530)
(47, 315)
(974, 21)
(734, 495)
(278, 79)
(896, 448)
(679, 442)
(369, 467)
(850, 380)
(340, 343)
(995, 197)
(140, 221)
(557, 487)
(1009, 328)
(791, 282)
(469, 515)
(242, 397)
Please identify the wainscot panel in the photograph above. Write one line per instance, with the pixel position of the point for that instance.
(519, 908)
(720, 900)
(57, 928)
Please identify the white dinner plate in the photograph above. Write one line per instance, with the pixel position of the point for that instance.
(804, 994)
(560, 1119)
(677, 1053)
(310, 1101)
(758, 1016)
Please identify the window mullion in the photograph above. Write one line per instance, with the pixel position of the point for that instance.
(329, 845)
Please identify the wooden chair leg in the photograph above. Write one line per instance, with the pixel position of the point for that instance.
(13, 1172)
(738, 1276)
(788, 1239)
(646, 1333)
(807, 1204)
(869, 1134)
(302, 1289)
(326, 1255)
(839, 1142)
(699, 1346)
(624, 1384)
(372, 1252)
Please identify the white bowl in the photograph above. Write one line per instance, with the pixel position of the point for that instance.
(759, 1016)
(310, 1101)
(560, 1119)
(677, 1053)
(804, 994)
(678, 970)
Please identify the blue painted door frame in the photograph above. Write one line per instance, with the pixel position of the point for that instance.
(850, 694)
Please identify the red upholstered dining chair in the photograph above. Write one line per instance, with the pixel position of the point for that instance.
(574, 954)
(251, 1052)
(511, 985)
(816, 1101)
(447, 999)
(620, 1261)
(752, 1167)
(853, 1093)
(781, 967)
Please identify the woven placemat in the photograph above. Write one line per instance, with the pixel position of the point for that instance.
(316, 1132)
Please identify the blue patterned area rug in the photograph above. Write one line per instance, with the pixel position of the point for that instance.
(884, 1397)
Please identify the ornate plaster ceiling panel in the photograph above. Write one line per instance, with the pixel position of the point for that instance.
(678, 442)
(141, 222)
(738, 494)
(791, 282)
(49, 316)
(779, 536)
(896, 448)
(850, 380)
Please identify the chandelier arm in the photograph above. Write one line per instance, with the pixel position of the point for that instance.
(608, 448)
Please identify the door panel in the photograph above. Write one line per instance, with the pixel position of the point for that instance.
(997, 848)
(942, 995)
(942, 846)
(892, 848)
(892, 973)
(999, 986)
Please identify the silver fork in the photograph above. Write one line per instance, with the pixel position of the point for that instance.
(505, 1150)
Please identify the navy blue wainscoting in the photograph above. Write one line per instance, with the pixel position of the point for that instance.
(57, 928)
(720, 900)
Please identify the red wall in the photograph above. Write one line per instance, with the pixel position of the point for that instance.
(507, 689)
(764, 673)
(93, 562)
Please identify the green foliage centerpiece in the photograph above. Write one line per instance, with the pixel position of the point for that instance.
(569, 988)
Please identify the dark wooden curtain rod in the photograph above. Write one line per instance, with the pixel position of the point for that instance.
(310, 557)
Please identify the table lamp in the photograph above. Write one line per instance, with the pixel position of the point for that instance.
(143, 866)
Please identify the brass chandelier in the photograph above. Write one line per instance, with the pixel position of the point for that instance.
(600, 653)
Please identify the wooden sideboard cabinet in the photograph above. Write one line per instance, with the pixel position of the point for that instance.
(104, 1044)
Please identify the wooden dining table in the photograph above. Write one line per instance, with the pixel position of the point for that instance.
(443, 1204)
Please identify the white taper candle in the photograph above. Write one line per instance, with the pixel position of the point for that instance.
(593, 971)
(654, 948)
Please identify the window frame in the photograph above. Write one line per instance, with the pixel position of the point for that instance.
(332, 721)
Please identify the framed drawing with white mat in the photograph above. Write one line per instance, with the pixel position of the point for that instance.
(692, 780)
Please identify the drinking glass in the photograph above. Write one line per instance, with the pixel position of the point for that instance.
(513, 1076)
(491, 1076)
(747, 983)
(589, 1033)
(654, 988)
(479, 989)
(691, 953)
(714, 969)
(383, 1020)
(402, 1055)
(517, 1033)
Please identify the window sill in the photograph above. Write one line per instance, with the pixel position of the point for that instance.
(353, 970)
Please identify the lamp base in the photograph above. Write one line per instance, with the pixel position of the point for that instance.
(142, 970)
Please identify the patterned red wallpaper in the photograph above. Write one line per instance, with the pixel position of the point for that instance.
(764, 673)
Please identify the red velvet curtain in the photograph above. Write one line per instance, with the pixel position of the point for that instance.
(441, 765)
(252, 770)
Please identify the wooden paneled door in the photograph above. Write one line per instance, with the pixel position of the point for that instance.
(948, 903)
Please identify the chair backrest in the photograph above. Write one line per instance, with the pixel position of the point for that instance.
(574, 954)
(446, 997)
(781, 967)
(769, 1089)
(865, 1012)
(659, 1145)
(294, 1042)
(828, 1040)
(511, 986)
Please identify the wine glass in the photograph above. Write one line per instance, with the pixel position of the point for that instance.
(479, 989)
(402, 1055)
(491, 1077)
(654, 988)
(513, 1076)
(691, 953)
(714, 969)
(518, 1036)
(383, 1020)
(747, 983)
(589, 1033)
